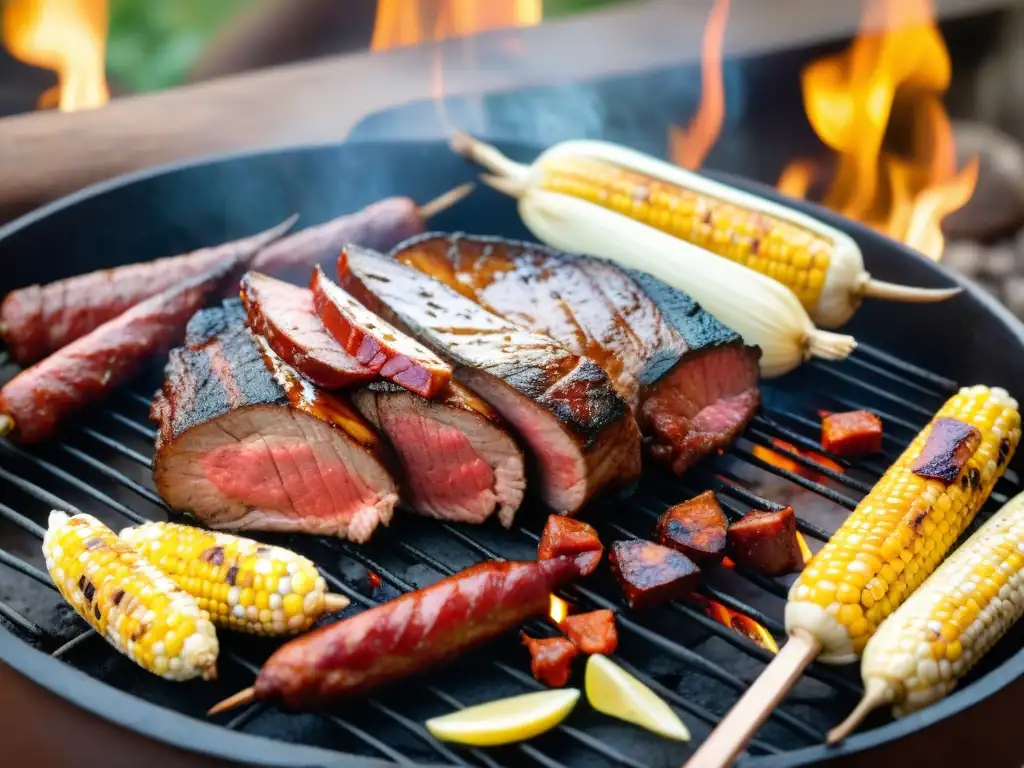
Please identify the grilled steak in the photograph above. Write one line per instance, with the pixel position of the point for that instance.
(692, 381)
(284, 315)
(242, 448)
(459, 461)
(580, 431)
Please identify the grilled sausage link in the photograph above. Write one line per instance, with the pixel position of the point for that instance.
(40, 397)
(40, 319)
(379, 226)
(413, 633)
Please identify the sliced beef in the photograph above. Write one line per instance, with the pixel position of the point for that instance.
(459, 461)
(580, 431)
(375, 342)
(285, 316)
(691, 379)
(246, 444)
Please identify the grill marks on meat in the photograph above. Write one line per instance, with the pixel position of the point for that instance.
(285, 316)
(86, 370)
(580, 431)
(245, 443)
(459, 462)
(40, 319)
(692, 381)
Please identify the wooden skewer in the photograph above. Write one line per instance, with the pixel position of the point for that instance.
(444, 201)
(247, 696)
(732, 734)
(874, 697)
(7, 425)
(334, 603)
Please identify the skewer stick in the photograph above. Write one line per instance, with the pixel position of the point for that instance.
(446, 200)
(247, 696)
(488, 156)
(6, 425)
(732, 734)
(874, 697)
(334, 603)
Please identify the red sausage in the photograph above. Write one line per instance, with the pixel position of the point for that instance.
(412, 633)
(40, 319)
(40, 397)
(379, 226)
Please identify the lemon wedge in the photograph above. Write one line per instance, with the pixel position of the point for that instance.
(506, 720)
(615, 692)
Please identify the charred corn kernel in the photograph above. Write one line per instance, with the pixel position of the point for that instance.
(918, 654)
(132, 604)
(822, 265)
(224, 566)
(907, 525)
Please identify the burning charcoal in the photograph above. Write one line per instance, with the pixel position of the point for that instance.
(568, 536)
(650, 574)
(592, 632)
(766, 542)
(696, 528)
(550, 659)
(948, 447)
(852, 433)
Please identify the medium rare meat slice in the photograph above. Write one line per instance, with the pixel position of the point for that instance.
(284, 315)
(245, 444)
(375, 342)
(692, 381)
(580, 431)
(458, 460)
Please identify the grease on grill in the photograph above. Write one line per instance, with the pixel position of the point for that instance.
(950, 444)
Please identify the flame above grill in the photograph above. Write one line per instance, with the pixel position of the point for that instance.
(67, 36)
(408, 22)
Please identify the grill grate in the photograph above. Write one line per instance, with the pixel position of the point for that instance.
(699, 666)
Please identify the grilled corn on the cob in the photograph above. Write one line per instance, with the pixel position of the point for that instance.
(128, 601)
(244, 585)
(900, 531)
(822, 265)
(933, 639)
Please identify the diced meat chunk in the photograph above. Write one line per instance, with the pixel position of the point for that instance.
(766, 542)
(650, 574)
(697, 528)
(853, 433)
(551, 659)
(592, 632)
(567, 536)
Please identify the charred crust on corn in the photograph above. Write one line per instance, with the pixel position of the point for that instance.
(946, 451)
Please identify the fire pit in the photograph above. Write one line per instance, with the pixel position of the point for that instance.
(700, 655)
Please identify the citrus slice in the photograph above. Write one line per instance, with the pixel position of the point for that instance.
(615, 692)
(506, 720)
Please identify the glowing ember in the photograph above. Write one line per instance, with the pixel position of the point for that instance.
(374, 579)
(782, 461)
(893, 75)
(688, 148)
(736, 621)
(67, 36)
(559, 609)
(408, 22)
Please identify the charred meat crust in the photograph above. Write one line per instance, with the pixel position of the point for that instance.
(949, 445)
(697, 528)
(576, 390)
(766, 542)
(650, 574)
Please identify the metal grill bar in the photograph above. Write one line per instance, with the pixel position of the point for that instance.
(855, 362)
(878, 392)
(873, 352)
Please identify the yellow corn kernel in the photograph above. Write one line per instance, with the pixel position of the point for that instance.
(917, 656)
(793, 255)
(127, 600)
(911, 541)
(243, 577)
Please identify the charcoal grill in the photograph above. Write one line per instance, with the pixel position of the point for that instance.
(909, 361)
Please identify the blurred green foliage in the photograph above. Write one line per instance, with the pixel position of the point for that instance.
(153, 43)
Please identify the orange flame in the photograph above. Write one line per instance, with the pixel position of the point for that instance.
(782, 461)
(559, 609)
(67, 36)
(408, 22)
(736, 621)
(893, 74)
(688, 148)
